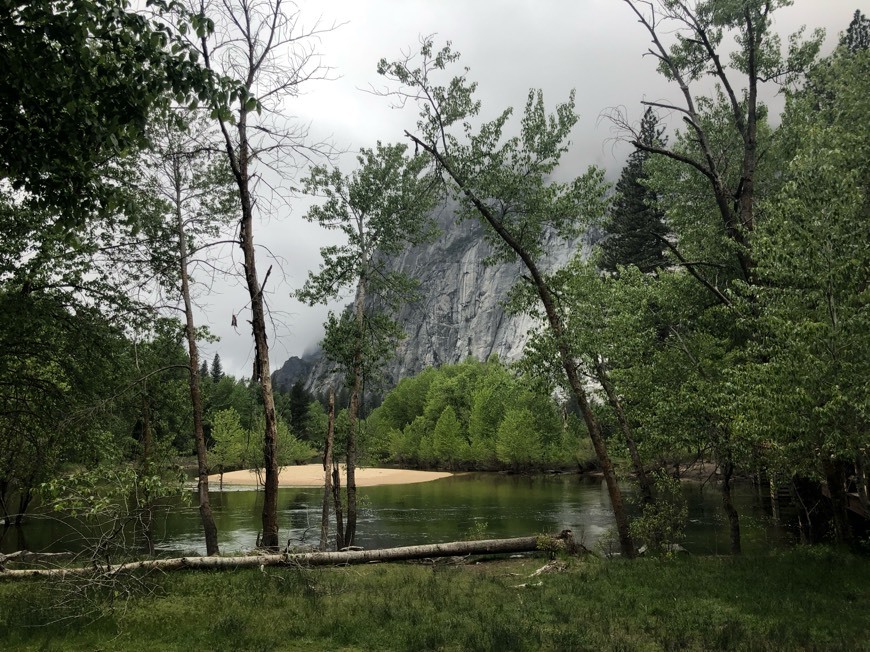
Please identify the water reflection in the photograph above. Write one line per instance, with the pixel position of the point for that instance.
(443, 510)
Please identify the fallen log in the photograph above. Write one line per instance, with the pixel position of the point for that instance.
(485, 547)
(28, 555)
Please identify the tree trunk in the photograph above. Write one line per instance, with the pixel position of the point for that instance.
(261, 373)
(486, 547)
(836, 481)
(147, 517)
(353, 411)
(24, 499)
(730, 510)
(774, 499)
(239, 157)
(643, 480)
(566, 358)
(4, 496)
(861, 480)
(327, 472)
(208, 524)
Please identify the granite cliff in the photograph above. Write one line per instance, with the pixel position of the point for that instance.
(460, 312)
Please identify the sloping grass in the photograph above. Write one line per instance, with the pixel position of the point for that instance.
(806, 599)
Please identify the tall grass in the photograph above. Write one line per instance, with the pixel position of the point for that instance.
(807, 599)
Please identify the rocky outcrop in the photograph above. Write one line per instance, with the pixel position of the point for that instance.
(461, 309)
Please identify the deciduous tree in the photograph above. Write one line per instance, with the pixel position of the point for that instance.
(381, 208)
(507, 183)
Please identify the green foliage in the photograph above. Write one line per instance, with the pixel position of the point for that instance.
(662, 523)
(381, 208)
(103, 71)
(857, 36)
(454, 417)
(232, 447)
(115, 505)
(806, 398)
(290, 449)
(449, 445)
(518, 443)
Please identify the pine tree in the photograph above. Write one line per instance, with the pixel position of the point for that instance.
(635, 226)
(217, 371)
(858, 34)
(300, 399)
(203, 369)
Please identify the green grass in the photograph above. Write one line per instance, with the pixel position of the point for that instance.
(807, 599)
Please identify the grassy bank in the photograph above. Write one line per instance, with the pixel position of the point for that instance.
(810, 599)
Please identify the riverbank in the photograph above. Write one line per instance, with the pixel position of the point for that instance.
(803, 599)
(311, 475)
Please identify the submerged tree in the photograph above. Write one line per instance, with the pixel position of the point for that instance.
(382, 208)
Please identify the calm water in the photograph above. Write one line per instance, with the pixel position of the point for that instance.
(444, 510)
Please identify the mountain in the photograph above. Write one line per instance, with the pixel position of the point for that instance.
(460, 312)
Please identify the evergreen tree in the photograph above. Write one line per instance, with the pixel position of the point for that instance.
(635, 227)
(203, 369)
(300, 399)
(217, 371)
(858, 34)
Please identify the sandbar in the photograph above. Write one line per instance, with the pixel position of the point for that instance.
(311, 475)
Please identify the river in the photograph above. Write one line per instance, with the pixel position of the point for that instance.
(469, 505)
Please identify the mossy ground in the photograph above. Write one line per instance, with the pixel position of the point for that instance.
(806, 599)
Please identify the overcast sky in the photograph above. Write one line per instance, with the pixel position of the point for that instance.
(594, 46)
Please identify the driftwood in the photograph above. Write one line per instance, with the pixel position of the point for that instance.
(485, 547)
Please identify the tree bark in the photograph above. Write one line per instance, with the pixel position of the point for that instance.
(353, 409)
(730, 510)
(147, 444)
(643, 479)
(836, 481)
(261, 372)
(239, 156)
(327, 472)
(485, 547)
(206, 516)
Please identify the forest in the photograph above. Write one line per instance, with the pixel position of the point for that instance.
(722, 317)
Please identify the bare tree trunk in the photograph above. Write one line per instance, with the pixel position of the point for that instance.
(339, 512)
(774, 498)
(353, 412)
(239, 154)
(261, 371)
(24, 499)
(643, 480)
(327, 472)
(206, 516)
(147, 444)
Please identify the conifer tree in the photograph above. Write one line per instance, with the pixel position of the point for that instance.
(217, 370)
(858, 34)
(635, 227)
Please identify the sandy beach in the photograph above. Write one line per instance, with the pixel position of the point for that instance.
(311, 475)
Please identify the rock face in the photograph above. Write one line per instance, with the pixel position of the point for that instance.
(460, 312)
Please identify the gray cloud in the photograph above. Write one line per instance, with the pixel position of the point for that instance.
(593, 46)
